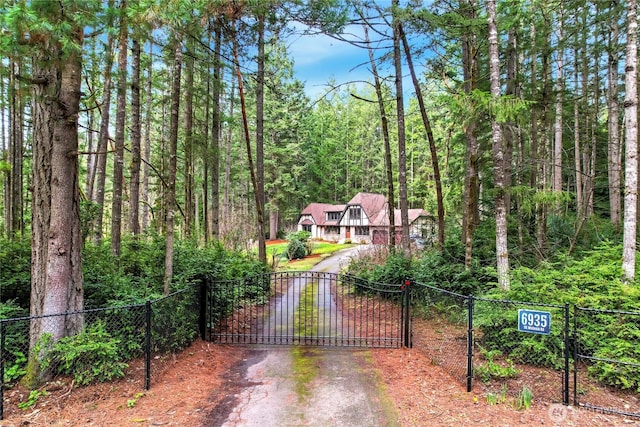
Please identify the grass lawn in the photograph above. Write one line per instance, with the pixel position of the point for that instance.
(320, 251)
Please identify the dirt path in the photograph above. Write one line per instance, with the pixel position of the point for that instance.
(311, 386)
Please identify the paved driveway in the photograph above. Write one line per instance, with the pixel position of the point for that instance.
(312, 386)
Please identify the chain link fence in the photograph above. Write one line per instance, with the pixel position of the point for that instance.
(469, 337)
(445, 341)
(607, 356)
(134, 341)
(520, 350)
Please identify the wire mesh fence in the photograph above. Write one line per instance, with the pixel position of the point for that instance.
(520, 349)
(509, 351)
(445, 338)
(607, 357)
(173, 326)
(135, 342)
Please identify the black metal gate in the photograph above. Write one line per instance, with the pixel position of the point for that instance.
(307, 308)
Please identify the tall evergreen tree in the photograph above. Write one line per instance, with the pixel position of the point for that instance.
(631, 145)
(502, 253)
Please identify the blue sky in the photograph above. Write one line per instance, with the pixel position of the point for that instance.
(320, 58)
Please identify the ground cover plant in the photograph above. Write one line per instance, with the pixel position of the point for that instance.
(588, 279)
(114, 336)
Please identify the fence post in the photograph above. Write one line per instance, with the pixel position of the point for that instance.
(565, 394)
(2, 342)
(406, 312)
(202, 318)
(147, 347)
(575, 355)
(469, 342)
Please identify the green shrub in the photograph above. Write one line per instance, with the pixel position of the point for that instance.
(15, 271)
(92, 355)
(16, 340)
(299, 245)
(591, 280)
(174, 322)
(443, 271)
(301, 235)
(296, 249)
(492, 369)
(617, 336)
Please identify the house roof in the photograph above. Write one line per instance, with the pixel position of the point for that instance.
(382, 219)
(318, 212)
(372, 204)
(375, 206)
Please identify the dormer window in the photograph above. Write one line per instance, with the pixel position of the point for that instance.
(355, 213)
(333, 216)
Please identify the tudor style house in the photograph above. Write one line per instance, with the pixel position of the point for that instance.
(364, 219)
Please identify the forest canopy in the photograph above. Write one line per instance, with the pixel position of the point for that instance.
(513, 123)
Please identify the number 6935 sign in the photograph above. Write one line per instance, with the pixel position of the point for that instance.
(534, 322)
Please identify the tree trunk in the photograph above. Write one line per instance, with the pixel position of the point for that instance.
(118, 163)
(470, 218)
(91, 157)
(206, 161)
(173, 166)
(533, 178)
(56, 269)
(260, 195)
(614, 150)
(542, 157)
(402, 151)
(557, 151)
(592, 114)
(215, 134)
(17, 159)
(103, 139)
(577, 152)
(247, 136)
(384, 123)
(134, 179)
(502, 254)
(4, 154)
(631, 145)
(227, 161)
(273, 223)
(432, 142)
(147, 143)
(189, 209)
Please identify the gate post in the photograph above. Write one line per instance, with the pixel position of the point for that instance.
(202, 306)
(2, 343)
(469, 343)
(565, 394)
(147, 346)
(406, 342)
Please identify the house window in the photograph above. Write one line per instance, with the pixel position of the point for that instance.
(307, 227)
(362, 231)
(333, 216)
(355, 213)
(333, 230)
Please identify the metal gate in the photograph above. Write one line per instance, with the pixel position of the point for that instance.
(307, 308)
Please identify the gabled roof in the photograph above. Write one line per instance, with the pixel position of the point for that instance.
(383, 217)
(318, 212)
(371, 203)
(375, 206)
